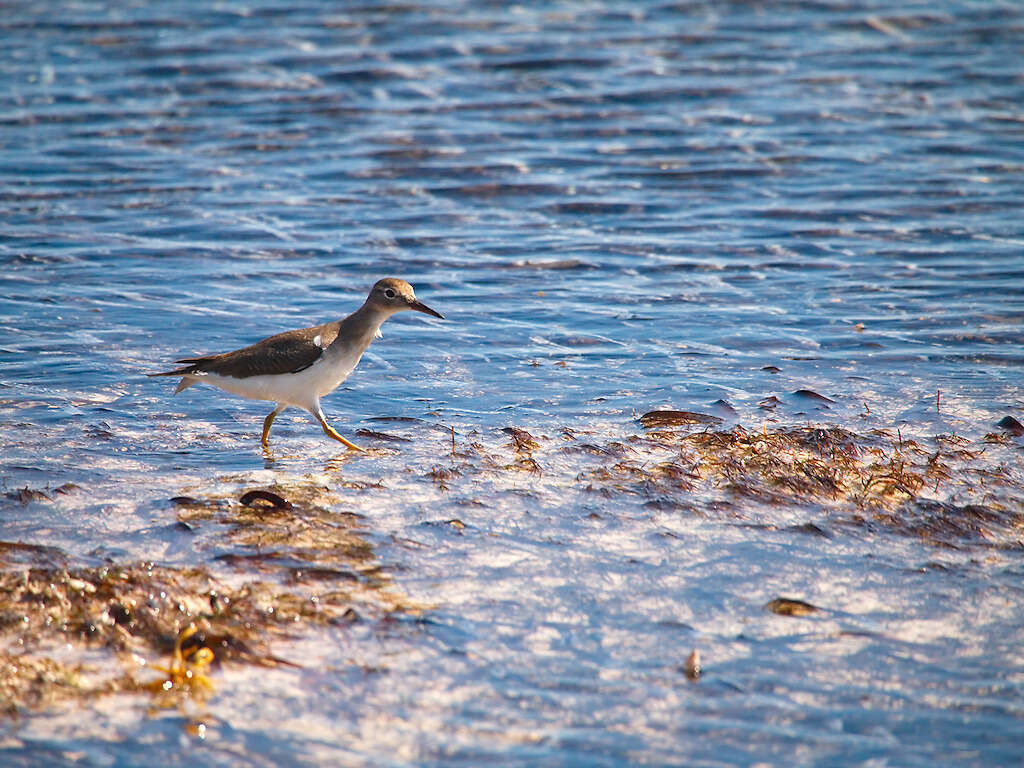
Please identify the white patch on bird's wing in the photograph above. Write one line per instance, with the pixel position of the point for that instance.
(377, 334)
(317, 340)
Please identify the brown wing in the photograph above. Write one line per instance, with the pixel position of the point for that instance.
(288, 352)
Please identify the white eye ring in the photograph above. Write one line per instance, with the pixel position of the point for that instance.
(389, 294)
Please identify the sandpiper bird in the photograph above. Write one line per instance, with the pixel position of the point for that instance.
(299, 367)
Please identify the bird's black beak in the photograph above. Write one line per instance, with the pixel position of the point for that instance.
(419, 306)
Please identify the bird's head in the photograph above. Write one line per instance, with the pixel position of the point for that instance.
(392, 295)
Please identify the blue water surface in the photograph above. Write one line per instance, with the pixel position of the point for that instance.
(619, 207)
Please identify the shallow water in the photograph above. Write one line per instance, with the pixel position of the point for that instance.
(618, 210)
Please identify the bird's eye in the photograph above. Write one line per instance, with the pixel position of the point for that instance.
(389, 294)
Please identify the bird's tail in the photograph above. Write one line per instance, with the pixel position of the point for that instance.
(186, 379)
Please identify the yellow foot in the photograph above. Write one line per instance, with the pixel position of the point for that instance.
(329, 431)
(266, 426)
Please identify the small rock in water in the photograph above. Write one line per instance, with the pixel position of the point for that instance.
(277, 502)
(691, 667)
(724, 408)
(784, 606)
(1011, 425)
(348, 617)
(810, 394)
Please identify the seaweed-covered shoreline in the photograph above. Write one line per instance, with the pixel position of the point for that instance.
(313, 566)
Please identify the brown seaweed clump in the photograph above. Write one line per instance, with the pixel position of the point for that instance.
(30, 682)
(166, 631)
(141, 613)
(292, 532)
(945, 492)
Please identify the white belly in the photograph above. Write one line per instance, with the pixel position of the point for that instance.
(303, 389)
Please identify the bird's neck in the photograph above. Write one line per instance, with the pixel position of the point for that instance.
(361, 326)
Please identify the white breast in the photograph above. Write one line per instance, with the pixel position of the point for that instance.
(302, 389)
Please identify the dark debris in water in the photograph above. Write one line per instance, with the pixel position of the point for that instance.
(382, 436)
(676, 419)
(28, 495)
(810, 528)
(949, 525)
(522, 441)
(140, 611)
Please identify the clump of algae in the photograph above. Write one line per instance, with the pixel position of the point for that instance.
(163, 631)
(137, 612)
(947, 490)
(35, 683)
(299, 534)
(943, 490)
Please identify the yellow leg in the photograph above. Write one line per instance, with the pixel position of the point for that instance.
(329, 431)
(268, 421)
